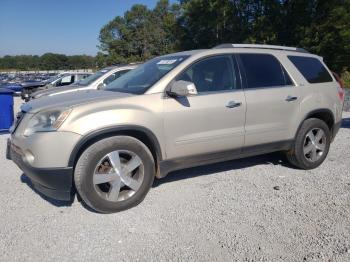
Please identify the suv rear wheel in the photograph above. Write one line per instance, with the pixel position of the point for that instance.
(311, 145)
(114, 174)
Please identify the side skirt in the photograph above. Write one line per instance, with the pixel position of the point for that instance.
(169, 165)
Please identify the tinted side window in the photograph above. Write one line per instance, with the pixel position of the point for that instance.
(211, 74)
(311, 68)
(264, 70)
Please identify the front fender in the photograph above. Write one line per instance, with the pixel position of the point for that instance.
(86, 140)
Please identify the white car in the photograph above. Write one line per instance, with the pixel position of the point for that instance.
(95, 81)
(64, 79)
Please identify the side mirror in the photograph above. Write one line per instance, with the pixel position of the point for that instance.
(182, 88)
(101, 85)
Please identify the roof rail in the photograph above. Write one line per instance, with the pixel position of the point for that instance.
(276, 47)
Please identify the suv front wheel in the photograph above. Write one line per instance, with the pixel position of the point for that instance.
(311, 144)
(114, 174)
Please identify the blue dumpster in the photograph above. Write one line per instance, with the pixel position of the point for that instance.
(6, 109)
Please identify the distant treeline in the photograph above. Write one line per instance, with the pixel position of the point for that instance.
(48, 61)
(320, 26)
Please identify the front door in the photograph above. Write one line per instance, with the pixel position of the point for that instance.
(211, 121)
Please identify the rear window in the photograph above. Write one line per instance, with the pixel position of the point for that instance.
(311, 68)
(264, 70)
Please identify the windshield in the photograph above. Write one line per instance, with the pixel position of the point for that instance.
(139, 80)
(54, 78)
(88, 80)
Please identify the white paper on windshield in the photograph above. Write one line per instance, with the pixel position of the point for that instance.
(167, 62)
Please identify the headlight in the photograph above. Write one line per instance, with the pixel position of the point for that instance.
(45, 121)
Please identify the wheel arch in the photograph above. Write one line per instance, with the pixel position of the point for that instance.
(323, 114)
(143, 134)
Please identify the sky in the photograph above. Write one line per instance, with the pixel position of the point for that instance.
(71, 27)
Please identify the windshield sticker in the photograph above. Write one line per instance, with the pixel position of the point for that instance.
(104, 71)
(167, 62)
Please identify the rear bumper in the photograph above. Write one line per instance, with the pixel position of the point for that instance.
(53, 182)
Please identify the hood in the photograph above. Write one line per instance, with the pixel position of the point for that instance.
(70, 100)
(56, 90)
(29, 84)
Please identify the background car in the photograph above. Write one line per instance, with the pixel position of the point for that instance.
(56, 81)
(15, 81)
(97, 80)
(15, 87)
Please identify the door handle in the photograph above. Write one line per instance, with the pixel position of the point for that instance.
(233, 104)
(291, 98)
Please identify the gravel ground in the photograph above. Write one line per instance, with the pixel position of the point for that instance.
(254, 209)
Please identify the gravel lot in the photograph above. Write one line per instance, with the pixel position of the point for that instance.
(254, 209)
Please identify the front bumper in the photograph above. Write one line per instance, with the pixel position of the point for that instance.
(56, 183)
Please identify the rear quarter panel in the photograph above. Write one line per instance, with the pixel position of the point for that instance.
(316, 96)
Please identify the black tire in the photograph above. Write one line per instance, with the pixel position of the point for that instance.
(296, 155)
(84, 170)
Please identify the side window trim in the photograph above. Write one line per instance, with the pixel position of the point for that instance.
(244, 76)
(242, 71)
(234, 67)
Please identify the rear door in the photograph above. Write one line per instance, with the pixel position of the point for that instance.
(211, 121)
(272, 101)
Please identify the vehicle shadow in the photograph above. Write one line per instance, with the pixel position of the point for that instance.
(57, 203)
(345, 123)
(267, 159)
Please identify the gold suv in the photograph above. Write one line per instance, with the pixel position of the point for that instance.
(176, 111)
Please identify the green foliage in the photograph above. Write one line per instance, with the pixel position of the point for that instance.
(346, 78)
(321, 26)
(47, 61)
(329, 33)
(141, 33)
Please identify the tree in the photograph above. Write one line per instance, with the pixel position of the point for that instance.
(320, 26)
(329, 33)
(140, 33)
(48, 61)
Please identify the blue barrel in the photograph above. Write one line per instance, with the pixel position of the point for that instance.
(6, 109)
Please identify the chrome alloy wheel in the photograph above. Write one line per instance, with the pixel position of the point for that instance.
(314, 144)
(118, 175)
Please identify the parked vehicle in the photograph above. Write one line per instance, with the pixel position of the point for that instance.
(96, 81)
(64, 79)
(15, 87)
(16, 81)
(176, 111)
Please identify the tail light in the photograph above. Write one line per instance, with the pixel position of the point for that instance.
(341, 92)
